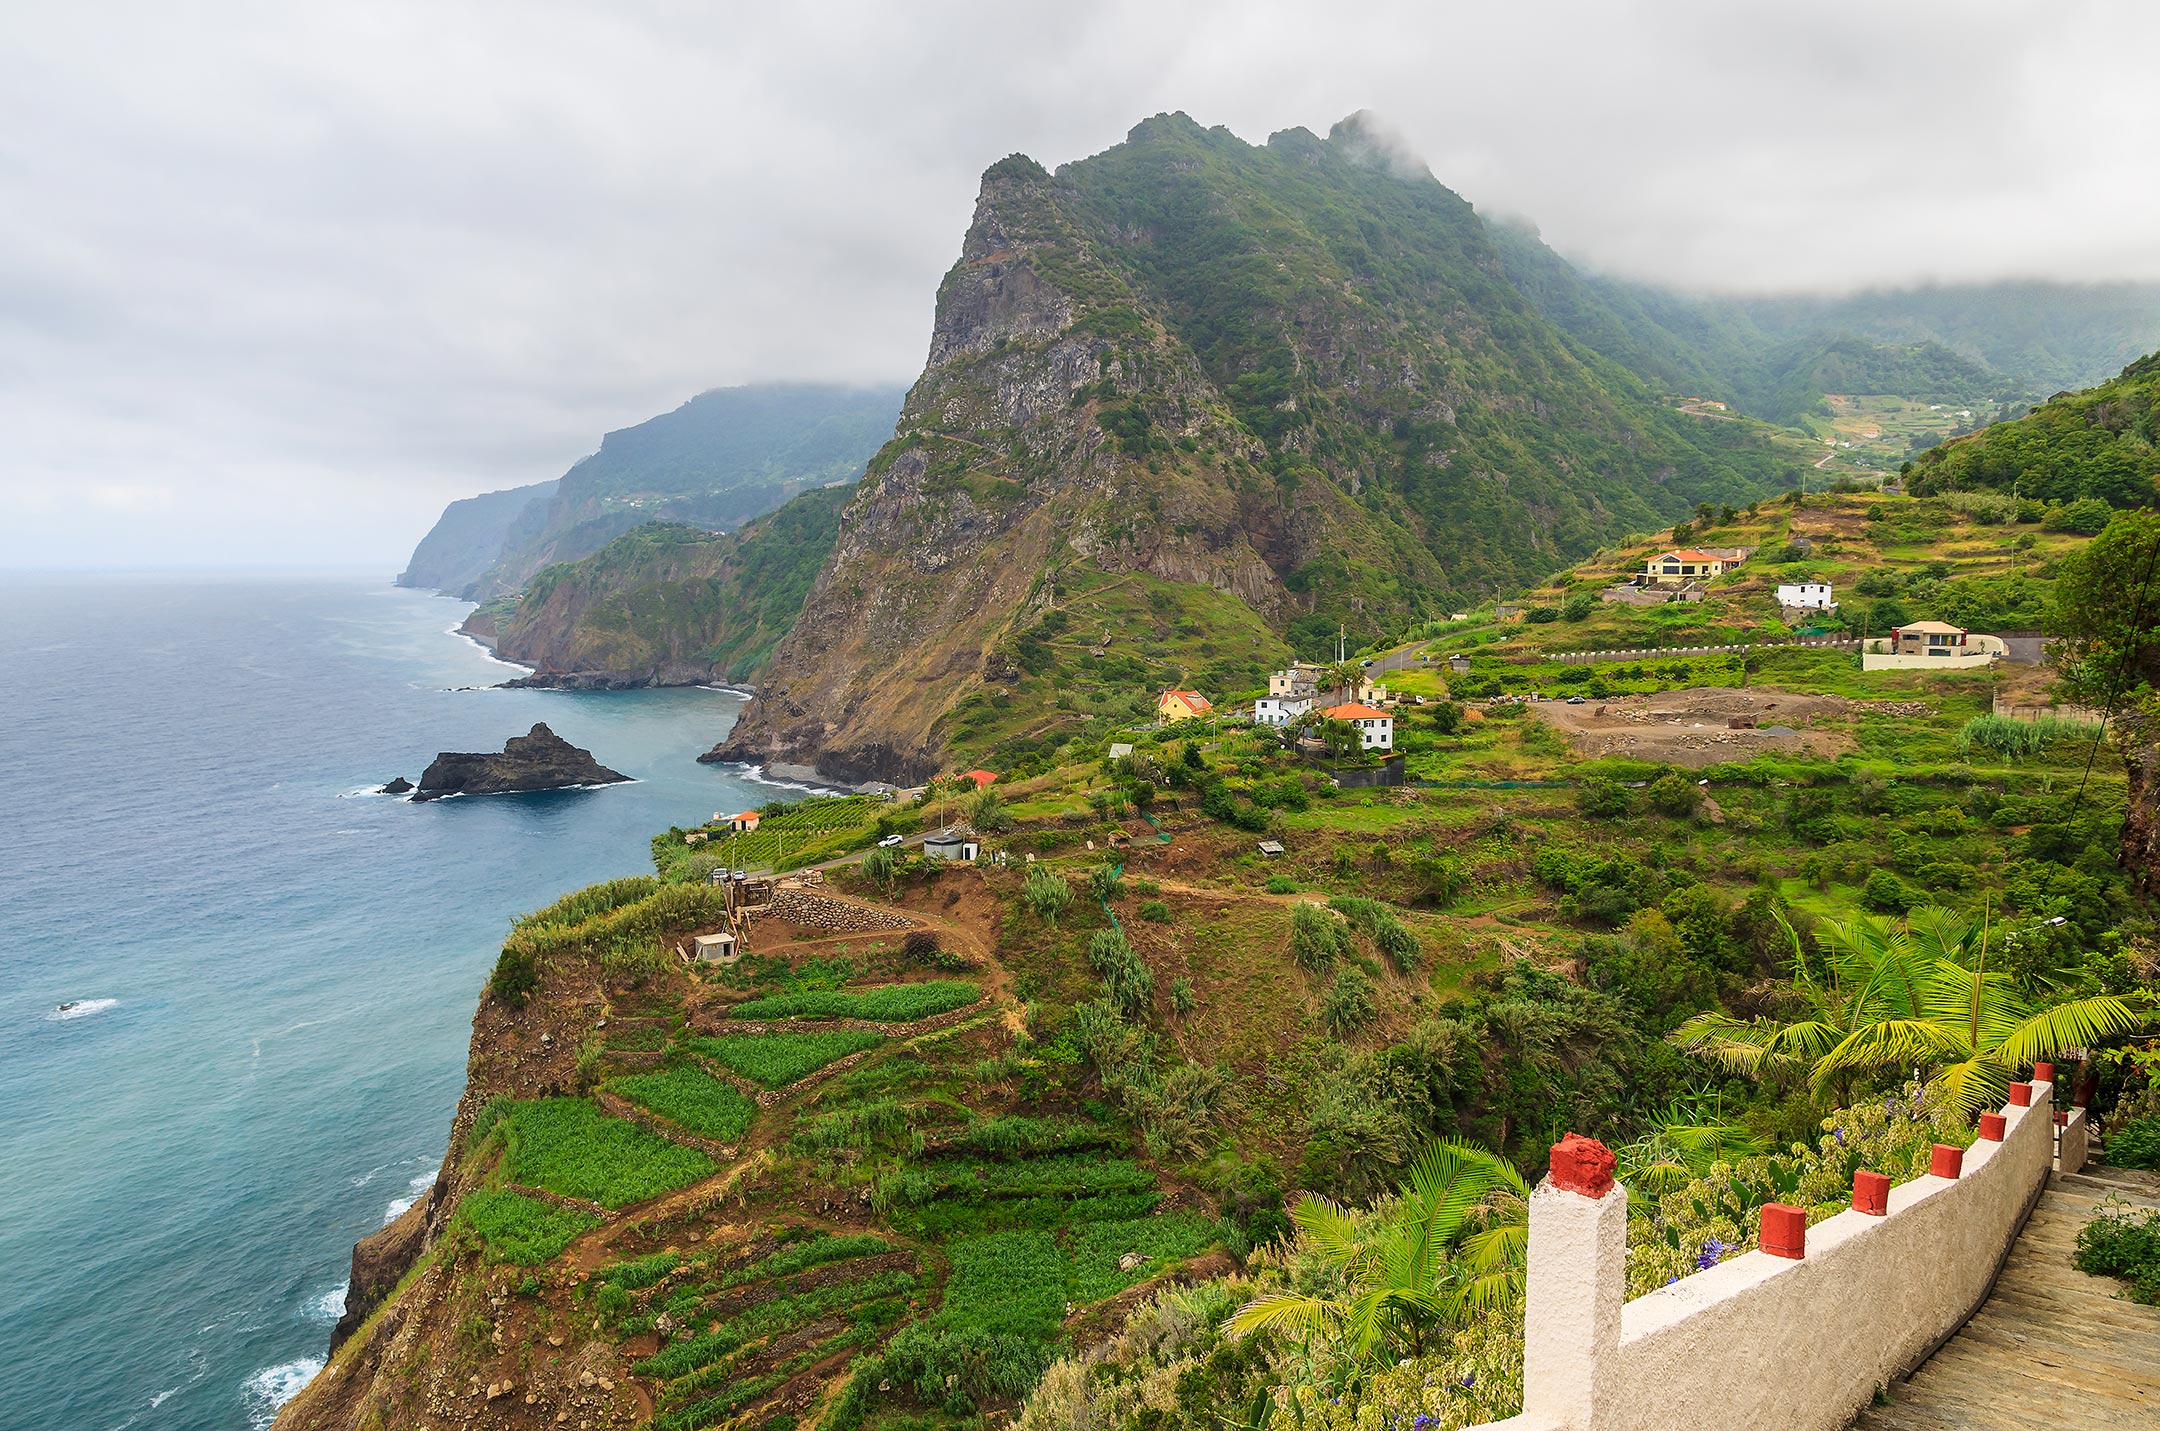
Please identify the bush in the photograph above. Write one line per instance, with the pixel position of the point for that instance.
(2117, 1243)
(1885, 893)
(2086, 517)
(1155, 912)
(1674, 794)
(2136, 1144)
(1280, 884)
(1349, 1003)
(517, 974)
(1578, 608)
(1046, 895)
(1388, 933)
(1105, 882)
(1317, 938)
(1539, 615)
(986, 812)
(1448, 717)
(1130, 984)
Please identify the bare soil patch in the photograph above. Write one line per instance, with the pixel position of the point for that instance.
(1705, 725)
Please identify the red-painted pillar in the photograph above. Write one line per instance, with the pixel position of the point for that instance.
(1992, 1126)
(1945, 1161)
(2043, 1072)
(2021, 1095)
(1784, 1230)
(1870, 1193)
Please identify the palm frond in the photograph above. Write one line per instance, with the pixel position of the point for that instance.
(2080, 1023)
(1285, 1311)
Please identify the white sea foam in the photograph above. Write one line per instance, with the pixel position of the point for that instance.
(414, 1191)
(81, 1009)
(756, 774)
(482, 647)
(273, 1386)
(329, 1306)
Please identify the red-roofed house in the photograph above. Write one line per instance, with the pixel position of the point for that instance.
(1174, 706)
(981, 777)
(1375, 727)
(1688, 564)
(743, 824)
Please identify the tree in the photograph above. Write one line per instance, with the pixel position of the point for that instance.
(986, 812)
(879, 867)
(1459, 1199)
(1448, 717)
(1578, 607)
(1339, 737)
(1887, 997)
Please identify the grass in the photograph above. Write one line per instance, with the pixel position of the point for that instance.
(568, 1146)
(690, 1098)
(778, 1059)
(1006, 1282)
(520, 1229)
(1095, 1249)
(895, 1003)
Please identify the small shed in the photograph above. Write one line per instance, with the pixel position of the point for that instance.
(1119, 750)
(1460, 665)
(720, 948)
(948, 846)
(1271, 848)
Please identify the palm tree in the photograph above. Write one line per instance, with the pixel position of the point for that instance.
(1459, 1198)
(1678, 1145)
(1917, 994)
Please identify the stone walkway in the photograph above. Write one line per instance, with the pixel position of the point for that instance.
(2051, 1347)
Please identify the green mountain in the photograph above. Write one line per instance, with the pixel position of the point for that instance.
(466, 540)
(673, 604)
(1295, 375)
(1775, 357)
(2096, 444)
(717, 461)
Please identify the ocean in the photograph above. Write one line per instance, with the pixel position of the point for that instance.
(274, 971)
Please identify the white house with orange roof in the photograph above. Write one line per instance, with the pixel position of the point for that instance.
(1174, 706)
(1375, 727)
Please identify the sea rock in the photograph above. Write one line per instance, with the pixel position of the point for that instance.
(537, 760)
(399, 786)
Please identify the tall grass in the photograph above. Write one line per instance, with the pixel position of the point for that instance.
(2014, 738)
(894, 1003)
(620, 923)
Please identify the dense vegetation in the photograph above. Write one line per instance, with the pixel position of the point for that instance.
(2101, 445)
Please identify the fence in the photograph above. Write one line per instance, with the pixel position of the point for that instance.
(1656, 653)
(1796, 1336)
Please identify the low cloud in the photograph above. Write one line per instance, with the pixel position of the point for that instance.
(312, 271)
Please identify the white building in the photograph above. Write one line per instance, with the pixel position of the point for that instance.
(1280, 710)
(1299, 680)
(1813, 595)
(1375, 728)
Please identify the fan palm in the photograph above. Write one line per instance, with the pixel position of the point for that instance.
(1458, 1199)
(1917, 994)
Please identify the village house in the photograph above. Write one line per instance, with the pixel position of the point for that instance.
(1375, 727)
(1808, 595)
(1688, 564)
(1300, 679)
(1934, 645)
(982, 778)
(743, 824)
(1174, 706)
(1279, 711)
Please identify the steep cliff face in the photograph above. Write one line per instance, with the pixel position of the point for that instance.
(669, 604)
(719, 460)
(466, 540)
(1057, 424)
(1294, 375)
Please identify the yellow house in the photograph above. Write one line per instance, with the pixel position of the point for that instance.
(1174, 706)
(1686, 564)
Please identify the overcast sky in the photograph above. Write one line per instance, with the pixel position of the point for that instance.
(277, 280)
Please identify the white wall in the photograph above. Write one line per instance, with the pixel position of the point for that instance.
(1765, 1343)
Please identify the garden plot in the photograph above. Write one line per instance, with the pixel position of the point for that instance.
(1707, 725)
(568, 1146)
(778, 1059)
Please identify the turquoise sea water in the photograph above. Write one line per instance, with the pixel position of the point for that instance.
(280, 971)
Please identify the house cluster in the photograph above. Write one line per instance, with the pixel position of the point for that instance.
(1683, 574)
(1297, 691)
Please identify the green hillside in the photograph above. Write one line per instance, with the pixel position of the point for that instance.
(2095, 445)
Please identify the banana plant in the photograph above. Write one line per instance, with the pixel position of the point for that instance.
(1453, 1242)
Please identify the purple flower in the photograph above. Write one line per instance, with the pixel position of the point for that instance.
(1670, 1280)
(1469, 1380)
(1839, 1134)
(1422, 1421)
(1711, 1252)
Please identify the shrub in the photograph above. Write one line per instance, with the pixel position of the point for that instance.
(1124, 975)
(1448, 717)
(2136, 1144)
(517, 974)
(1885, 893)
(1990, 509)
(2117, 1243)
(1155, 912)
(1317, 938)
(2086, 517)
(1674, 794)
(2019, 737)
(1388, 934)
(1538, 615)
(1349, 1003)
(1046, 895)
(1181, 997)
(1281, 884)
(986, 812)
(1105, 882)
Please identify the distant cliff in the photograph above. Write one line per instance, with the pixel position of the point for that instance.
(719, 460)
(468, 538)
(668, 604)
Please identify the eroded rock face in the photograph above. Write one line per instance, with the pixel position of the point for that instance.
(380, 1259)
(538, 760)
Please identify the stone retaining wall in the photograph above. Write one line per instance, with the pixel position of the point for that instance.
(805, 910)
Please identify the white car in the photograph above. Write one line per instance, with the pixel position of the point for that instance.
(889, 841)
